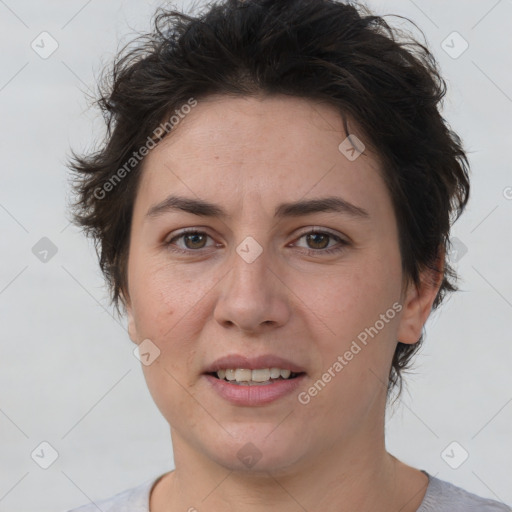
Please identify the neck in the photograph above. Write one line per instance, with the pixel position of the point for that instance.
(352, 474)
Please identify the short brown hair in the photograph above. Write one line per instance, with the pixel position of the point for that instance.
(330, 51)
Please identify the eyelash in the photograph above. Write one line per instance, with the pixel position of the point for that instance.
(342, 243)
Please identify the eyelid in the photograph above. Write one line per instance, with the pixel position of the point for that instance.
(321, 229)
(185, 231)
(305, 231)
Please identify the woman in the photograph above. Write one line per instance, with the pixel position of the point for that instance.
(272, 206)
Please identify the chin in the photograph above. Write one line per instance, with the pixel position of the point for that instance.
(256, 453)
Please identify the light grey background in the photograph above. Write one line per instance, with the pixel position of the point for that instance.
(68, 375)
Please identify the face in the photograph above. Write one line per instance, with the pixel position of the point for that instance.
(319, 289)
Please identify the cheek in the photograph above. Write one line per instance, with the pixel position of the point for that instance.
(157, 295)
(358, 294)
(168, 389)
(359, 318)
(169, 309)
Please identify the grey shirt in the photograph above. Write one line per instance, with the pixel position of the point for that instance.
(440, 496)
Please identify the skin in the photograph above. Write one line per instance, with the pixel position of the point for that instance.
(248, 155)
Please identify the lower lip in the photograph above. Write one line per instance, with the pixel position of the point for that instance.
(254, 395)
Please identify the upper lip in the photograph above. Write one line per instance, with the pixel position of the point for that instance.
(233, 361)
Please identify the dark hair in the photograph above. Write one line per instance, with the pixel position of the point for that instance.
(324, 50)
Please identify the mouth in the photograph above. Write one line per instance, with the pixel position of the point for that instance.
(256, 377)
(254, 381)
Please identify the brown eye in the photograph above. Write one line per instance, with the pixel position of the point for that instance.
(318, 243)
(319, 240)
(194, 240)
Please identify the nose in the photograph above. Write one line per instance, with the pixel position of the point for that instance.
(253, 296)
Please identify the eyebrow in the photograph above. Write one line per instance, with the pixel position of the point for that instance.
(204, 208)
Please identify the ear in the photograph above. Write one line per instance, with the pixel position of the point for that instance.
(418, 301)
(132, 329)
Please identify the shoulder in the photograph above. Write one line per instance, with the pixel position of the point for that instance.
(135, 499)
(443, 496)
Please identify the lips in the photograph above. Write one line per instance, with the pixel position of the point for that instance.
(254, 394)
(253, 363)
(257, 395)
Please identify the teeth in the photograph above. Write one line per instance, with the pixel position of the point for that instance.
(243, 375)
(285, 373)
(275, 373)
(259, 375)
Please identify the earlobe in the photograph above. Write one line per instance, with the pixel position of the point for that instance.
(418, 301)
(132, 330)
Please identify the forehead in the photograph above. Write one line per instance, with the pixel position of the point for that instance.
(274, 147)
(272, 125)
